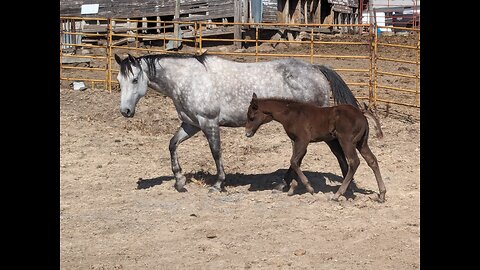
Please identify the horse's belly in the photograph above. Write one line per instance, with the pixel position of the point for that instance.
(187, 119)
(232, 120)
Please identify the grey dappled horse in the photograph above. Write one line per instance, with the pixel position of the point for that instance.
(209, 92)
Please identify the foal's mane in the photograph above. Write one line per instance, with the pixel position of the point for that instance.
(126, 64)
(287, 101)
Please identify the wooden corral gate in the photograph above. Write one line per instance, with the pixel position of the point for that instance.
(376, 76)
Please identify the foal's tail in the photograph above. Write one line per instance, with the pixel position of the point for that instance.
(341, 93)
(369, 112)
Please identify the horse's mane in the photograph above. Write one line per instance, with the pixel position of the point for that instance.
(150, 59)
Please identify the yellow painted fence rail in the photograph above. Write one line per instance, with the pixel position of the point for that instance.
(379, 64)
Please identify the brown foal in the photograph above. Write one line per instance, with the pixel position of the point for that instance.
(305, 123)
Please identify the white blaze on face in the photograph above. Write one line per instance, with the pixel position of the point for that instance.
(133, 86)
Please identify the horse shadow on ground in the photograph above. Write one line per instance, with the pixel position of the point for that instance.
(321, 182)
(148, 183)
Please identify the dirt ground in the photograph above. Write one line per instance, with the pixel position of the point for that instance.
(119, 210)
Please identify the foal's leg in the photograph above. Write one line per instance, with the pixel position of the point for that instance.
(353, 162)
(372, 163)
(184, 132)
(342, 161)
(212, 132)
(299, 151)
(289, 175)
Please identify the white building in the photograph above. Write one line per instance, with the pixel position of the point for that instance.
(400, 13)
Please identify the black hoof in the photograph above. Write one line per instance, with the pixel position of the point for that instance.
(281, 187)
(214, 189)
(180, 189)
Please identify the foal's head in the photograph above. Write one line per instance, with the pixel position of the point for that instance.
(133, 84)
(255, 117)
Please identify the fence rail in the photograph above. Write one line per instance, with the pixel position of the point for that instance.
(368, 63)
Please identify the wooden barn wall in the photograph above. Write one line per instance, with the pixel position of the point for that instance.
(269, 10)
(145, 8)
(348, 3)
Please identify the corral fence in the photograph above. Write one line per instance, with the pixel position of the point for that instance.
(381, 64)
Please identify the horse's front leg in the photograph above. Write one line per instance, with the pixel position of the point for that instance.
(212, 132)
(184, 132)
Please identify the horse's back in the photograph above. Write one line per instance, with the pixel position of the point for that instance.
(225, 87)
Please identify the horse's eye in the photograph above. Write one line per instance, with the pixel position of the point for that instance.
(135, 80)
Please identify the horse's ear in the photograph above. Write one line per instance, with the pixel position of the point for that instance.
(118, 59)
(254, 96)
(365, 106)
(132, 59)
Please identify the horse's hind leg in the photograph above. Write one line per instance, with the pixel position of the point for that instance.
(353, 162)
(212, 132)
(184, 132)
(372, 163)
(342, 161)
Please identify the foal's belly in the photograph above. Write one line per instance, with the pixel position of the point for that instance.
(324, 137)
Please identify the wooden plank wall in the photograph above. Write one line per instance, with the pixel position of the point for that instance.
(269, 10)
(196, 9)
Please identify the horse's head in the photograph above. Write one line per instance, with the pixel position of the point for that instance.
(133, 83)
(255, 117)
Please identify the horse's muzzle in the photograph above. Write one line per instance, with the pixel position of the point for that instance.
(127, 112)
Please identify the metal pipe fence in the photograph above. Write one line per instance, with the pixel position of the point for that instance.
(367, 61)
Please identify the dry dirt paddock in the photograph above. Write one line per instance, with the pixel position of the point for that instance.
(119, 210)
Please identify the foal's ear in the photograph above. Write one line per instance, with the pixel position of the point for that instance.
(118, 59)
(253, 103)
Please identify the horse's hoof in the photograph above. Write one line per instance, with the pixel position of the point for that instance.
(381, 199)
(216, 190)
(213, 190)
(180, 188)
(310, 190)
(280, 187)
(290, 192)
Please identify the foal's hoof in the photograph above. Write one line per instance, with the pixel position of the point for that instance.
(381, 199)
(335, 198)
(310, 190)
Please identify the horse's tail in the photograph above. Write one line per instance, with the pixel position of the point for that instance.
(341, 93)
(368, 112)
